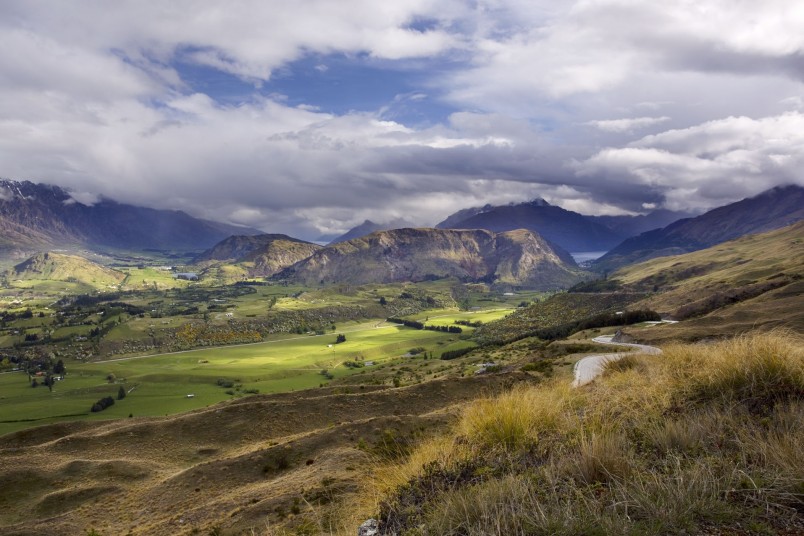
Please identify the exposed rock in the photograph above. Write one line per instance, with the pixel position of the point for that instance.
(370, 527)
(621, 336)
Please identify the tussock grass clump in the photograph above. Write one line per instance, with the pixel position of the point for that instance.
(676, 435)
(517, 419)
(757, 371)
(704, 435)
(601, 457)
(622, 364)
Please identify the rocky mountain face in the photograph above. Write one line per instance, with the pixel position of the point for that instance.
(769, 210)
(39, 216)
(519, 257)
(262, 255)
(569, 230)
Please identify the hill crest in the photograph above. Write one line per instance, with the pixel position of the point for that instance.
(68, 268)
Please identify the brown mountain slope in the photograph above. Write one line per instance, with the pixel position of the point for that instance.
(516, 257)
(262, 461)
(261, 255)
(754, 281)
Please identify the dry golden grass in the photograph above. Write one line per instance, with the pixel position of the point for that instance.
(705, 435)
(517, 419)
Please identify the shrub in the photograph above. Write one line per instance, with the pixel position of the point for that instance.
(601, 457)
(703, 439)
(454, 354)
(102, 404)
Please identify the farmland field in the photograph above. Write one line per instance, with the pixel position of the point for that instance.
(159, 385)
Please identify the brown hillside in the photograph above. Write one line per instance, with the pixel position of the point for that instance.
(756, 281)
(262, 461)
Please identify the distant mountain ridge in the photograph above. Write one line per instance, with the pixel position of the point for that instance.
(569, 230)
(368, 227)
(519, 257)
(772, 209)
(40, 216)
(633, 225)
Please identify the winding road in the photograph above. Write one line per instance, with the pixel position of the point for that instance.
(589, 368)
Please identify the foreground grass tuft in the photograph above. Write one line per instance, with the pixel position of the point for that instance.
(703, 436)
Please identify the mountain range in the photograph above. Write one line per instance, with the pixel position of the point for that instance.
(772, 209)
(569, 230)
(38, 217)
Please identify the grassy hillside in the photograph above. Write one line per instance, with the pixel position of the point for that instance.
(754, 281)
(67, 268)
(253, 256)
(703, 440)
(250, 466)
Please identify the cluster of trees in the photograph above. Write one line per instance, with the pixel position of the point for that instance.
(6, 316)
(455, 354)
(418, 325)
(340, 338)
(408, 323)
(445, 329)
(597, 321)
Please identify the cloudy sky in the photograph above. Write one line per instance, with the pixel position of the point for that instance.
(307, 117)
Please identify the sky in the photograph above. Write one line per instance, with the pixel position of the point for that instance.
(308, 117)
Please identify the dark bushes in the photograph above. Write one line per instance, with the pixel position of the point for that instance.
(102, 404)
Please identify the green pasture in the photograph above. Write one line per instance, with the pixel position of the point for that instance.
(161, 383)
(145, 278)
(446, 317)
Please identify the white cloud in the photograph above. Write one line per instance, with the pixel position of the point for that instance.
(714, 162)
(85, 198)
(628, 124)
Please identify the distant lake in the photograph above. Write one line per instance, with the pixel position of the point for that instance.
(583, 256)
